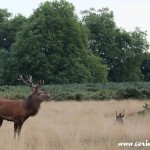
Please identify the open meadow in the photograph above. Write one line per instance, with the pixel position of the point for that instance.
(86, 125)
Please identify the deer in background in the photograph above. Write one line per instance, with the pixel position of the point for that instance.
(119, 117)
(18, 111)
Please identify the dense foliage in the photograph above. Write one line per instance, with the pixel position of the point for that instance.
(86, 91)
(55, 45)
(121, 51)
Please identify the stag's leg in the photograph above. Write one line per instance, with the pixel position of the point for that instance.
(15, 128)
(1, 121)
(19, 127)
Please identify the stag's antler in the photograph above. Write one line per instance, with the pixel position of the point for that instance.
(122, 114)
(40, 83)
(116, 114)
(29, 81)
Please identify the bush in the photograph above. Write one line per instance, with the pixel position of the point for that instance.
(79, 97)
(89, 91)
(133, 93)
(128, 93)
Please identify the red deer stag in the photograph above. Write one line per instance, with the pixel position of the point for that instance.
(119, 117)
(18, 111)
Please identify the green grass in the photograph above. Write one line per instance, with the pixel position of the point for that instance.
(88, 91)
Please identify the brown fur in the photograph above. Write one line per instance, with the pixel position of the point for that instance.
(18, 111)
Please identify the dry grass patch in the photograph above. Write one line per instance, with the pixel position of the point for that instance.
(88, 125)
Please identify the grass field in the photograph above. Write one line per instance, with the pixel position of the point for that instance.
(86, 125)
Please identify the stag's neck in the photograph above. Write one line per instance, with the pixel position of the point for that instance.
(32, 105)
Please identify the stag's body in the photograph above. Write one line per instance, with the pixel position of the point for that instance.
(14, 110)
(18, 111)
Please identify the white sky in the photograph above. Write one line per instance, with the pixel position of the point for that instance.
(128, 14)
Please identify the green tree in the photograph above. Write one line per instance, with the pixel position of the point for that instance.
(132, 45)
(101, 27)
(120, 50)
(145, 66)
(53, 45)
(15, 25)
(8, 66)
(4, 23)
(4, 15)
(9, 26)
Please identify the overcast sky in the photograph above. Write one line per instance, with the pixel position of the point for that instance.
(128, 14)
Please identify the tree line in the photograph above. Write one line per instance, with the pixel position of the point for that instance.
(56, 45)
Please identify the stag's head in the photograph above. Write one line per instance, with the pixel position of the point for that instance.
(119, 117)
(37, 93)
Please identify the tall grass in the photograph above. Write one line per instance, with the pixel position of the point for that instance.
(87, 125)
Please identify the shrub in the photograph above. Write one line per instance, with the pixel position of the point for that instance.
(129, 93)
